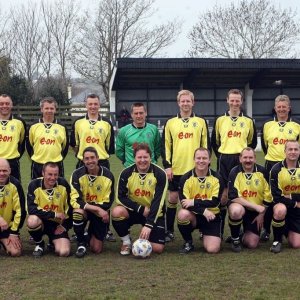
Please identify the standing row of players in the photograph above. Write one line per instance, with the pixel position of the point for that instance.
(182, 135)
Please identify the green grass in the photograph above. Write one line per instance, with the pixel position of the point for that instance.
(251, 274)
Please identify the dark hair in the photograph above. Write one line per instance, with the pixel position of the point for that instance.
(93, 96)
(248, 149)
(48, 100)
(202, 149)
(50, 164)
(138, 104)
(141, 146)
(235, 92)
(90, 149)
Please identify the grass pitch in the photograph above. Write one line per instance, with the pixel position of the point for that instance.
(251, 274)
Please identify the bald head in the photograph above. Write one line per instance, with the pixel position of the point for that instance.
(4, 171)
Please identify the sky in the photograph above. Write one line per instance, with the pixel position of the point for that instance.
(186, 11)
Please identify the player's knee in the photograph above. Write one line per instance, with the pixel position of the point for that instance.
(33, 221)
(251, 244)
(235, 214)
(279, 211)
(173, 197)
(63, 252)
(96, 248)
(183, 214)
(295, 244)
(13, 252)
(157, 248)
(118, 211)
(213, 248)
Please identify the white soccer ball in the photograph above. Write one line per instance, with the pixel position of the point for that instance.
(141, 248)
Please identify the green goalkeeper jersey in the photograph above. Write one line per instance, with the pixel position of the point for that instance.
(129, 136)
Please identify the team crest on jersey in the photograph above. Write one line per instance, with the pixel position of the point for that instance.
(195, 124)
(290, 131)
(256, 182)
(57, 195)
(242, 124)
(149, 135)
(98, 188)
(281, 129)
(298, 175)
(55, 131)
(12, 128)
(208, 185)
(150, 182)
(6, 192)
(100, 130)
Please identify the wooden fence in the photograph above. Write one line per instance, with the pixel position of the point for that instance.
(65, 114)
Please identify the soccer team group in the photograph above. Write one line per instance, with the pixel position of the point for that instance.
(256, 198)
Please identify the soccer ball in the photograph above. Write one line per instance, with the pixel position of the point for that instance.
(141, 248)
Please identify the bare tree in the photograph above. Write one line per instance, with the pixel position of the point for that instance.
(27, 50)
(61, 24)
(119, 29)
(247, 29)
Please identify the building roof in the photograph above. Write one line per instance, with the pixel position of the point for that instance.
(134, 73)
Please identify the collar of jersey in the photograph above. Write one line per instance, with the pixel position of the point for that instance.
(87, 117)
(41, 121)
(43, 186)
(227, 114)
(191, 116)
(149, 170)
(284, 164)
(100, 173)
(288, 120)
(10, 118)
(242, 170)
(207, 174)
(139, 127)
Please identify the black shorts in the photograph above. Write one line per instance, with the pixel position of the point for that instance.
(269, 165)
(174, 184)
(157, 234)
(97, 227)
(36, 169)
(248, 218)
(293, 220)
(4, 234)
(212, 228)
(15, 168)
(225, 164)
(49, 227)
(103, 162)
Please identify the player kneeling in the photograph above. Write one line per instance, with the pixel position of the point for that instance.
(48, 202)
(249, 194)
(12, 210)
(141, 200)
(200, 192)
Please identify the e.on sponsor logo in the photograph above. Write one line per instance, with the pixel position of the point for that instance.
(278, 141)
(92, 140)
(233, 133)
(45, 141)
(142, 193)
(3, 205)
(185, 135)
(52, 207)
(200, 197)
(292, 188)
(90, 197)
(5, 138)
(247, 193)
